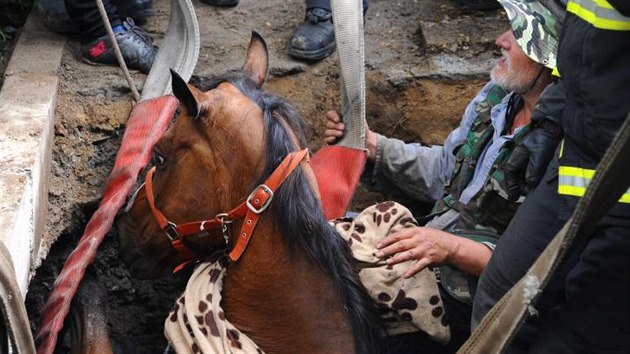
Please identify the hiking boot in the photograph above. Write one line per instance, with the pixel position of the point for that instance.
(222, 3)
(313, 39)
(135, 45)
(55, 16)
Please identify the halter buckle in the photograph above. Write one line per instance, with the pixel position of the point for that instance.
(171, 231)
(224, 223)
(265, 202)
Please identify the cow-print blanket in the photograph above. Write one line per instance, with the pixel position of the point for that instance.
(197, 324)
(408, 305)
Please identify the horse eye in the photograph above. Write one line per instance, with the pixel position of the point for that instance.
(158, 159)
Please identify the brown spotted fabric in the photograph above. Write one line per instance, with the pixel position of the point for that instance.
(408, 305)
(197, 324)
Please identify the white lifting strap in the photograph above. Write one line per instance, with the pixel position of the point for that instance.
(16, 324)
(348, 25)
(179, 50)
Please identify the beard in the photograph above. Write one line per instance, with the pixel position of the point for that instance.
(516, 80)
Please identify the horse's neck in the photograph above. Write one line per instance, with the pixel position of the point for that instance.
(286, 304)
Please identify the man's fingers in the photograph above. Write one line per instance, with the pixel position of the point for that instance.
(390, 246)
(332, 135)
(410, 253)
(333, 132)
(335, 125)
(416, 267)
(386, 241)
(333, 116)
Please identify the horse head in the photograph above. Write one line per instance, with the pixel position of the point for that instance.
(205, 164)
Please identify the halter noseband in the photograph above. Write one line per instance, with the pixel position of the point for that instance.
(256, 203)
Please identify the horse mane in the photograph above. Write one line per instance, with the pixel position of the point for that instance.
(297, 211)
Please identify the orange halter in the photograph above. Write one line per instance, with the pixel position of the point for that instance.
(256, 203)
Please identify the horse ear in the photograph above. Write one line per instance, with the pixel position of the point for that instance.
(257, 60)
(182, 91)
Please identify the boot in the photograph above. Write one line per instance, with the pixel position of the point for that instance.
(135, 45)
(313, 39)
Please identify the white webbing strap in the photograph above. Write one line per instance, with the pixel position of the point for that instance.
(179, 50)
(16, 324)
(348, 25)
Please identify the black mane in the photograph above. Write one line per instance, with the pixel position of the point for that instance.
(297, 212)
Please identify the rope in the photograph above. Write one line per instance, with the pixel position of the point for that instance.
(121, 60)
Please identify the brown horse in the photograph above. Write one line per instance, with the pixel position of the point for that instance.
(294, 289)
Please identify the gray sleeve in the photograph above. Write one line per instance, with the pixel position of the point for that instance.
(416, 170)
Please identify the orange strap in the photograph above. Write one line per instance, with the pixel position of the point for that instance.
(256, 203)
(261, 197)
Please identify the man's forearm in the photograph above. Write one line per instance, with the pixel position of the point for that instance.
(370, 145)
(470, 256)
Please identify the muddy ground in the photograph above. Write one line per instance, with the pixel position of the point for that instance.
(425, 59)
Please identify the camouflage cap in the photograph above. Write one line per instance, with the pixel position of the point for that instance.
(536, 25)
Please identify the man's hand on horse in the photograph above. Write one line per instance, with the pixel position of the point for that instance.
(335, 130)
(427, 246)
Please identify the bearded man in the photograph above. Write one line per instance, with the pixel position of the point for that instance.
(466, 176)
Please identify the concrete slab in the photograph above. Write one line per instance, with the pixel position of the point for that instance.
(27, 107)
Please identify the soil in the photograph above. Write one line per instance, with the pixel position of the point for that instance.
(419, 55)
(8, 38)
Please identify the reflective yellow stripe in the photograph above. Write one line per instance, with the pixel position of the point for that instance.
(605, 4)
(561, 147)
(555, 72)
(576, 172)
(570, 190)
(574, 180)
(600, 14)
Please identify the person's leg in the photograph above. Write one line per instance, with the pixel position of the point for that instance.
(55, 16)
(595, 318)
(85, 15)
(139, 10)
(57, 19)
(314, 38)
(135, 45)
(534, 225)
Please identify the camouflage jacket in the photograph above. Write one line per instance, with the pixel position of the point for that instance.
(464, 174)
